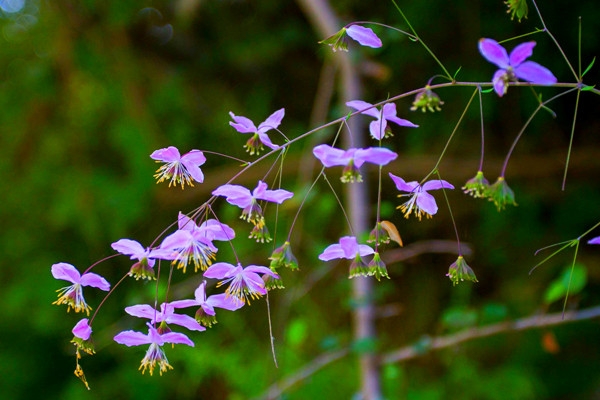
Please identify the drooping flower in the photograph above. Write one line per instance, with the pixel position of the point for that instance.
(501, 194)
(420, 201)
(349, 249)
(377, 268)
(283, 256)
(155, 354)
(517, 8)
(206, 314)
(477, 186)
(244, 283)
(81, 336)
(259, 137)
(352, 159)
(460, 271)
(146, 257)
(514, 67)
(427, 100)
(193, 244)
(179, 169)
(241, 197)
(379, 128)
(72, 295)
(595, 240)
(190, 247)
(164, 317)
(364, 36)
(383, 232)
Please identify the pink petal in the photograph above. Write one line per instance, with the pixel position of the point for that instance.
(435, 184)
(534, 72)
(66, 272)
(168, 154)
(368, 108)
(330, 156)
(520, 53)
(272, 122)
(219, 270)
(404, 186)
(82, 330)
(494, 52)
(131, 338)
(242, 124)
(364, 36)
(94, 280)
(426, 202)
(374, 155)
(129, 247)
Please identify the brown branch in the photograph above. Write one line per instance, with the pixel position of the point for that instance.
(532, 322)
(436, 343)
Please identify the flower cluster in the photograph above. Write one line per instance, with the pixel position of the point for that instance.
(193, 240)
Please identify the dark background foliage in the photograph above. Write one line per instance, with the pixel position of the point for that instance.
(89, 89)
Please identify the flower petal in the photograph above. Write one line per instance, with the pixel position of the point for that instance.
(389, 113)
(242, 124)
(131, 338)
(534, 72)
(186, 321)
(364, 36)
(272, 122)
(521, 53)
(219, 270)
(168, 154)
(66, 272)
(177, 338)
(494, 52)
(129, 247)
(364, 108)
(82, 329)
(374, 155)
(426, 202)
(234, 194)
(435, 184)
(142, 311)
(499, 82)
(595, 240)
(377, 128)
(331, 252)
(94, 280)
(224, 301)
(330, 156)
(404, 186)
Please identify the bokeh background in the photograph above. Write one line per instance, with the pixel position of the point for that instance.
(88, 89)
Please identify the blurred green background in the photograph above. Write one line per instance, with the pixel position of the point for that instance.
(89, 89)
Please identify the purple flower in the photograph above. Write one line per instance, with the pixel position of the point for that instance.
(155, 354)
(206, 313)
(146, 257)
(364, 36)
(241, 197)
(82, 333)
(420, 201)
(72, 295)
(190, 247)
(514, 66)
(179, 169)
(595, 240)
(165, 316)
(353, 159)
(259, 137)
(82, 329)
(210, 229)
(349, 248)
(244, 283)
(379, 128)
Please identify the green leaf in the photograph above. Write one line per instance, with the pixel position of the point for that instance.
(587, 88)
(576, 277)
(456, 73)
(588, 68)
(487, 90)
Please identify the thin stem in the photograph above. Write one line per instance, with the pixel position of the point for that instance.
(564, 182)
(482, 129)
(539, 107)
(339, 201)
(448, 75)
(537, 30)
(272, 338)
(451, 136)
(451, 216)
(570, 278)
(412, 37)
(555, 41)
